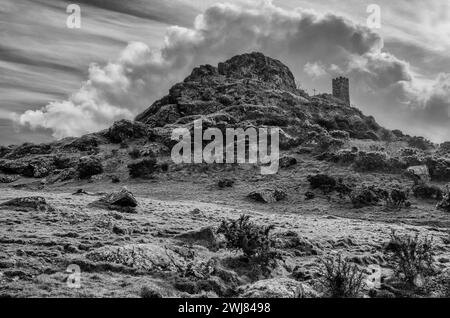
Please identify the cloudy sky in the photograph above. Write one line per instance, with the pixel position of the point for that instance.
(57, 82)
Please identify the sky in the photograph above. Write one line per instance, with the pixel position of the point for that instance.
(57, 81)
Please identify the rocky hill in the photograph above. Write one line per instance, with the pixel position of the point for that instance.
(252, 89)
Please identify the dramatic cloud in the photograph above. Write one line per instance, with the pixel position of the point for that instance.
(310, 43)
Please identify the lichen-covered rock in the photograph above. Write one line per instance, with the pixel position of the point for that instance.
(277, 288)
(268, 195)
(419, 174)
(147, 257)
(123, 201)
(287, 161)
(27, 204)
(205, 236)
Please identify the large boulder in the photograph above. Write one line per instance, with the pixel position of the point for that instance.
(419, 174)
(27, 204)
(146, 257)
(277, 288)
(268, 195)
(123, 201)
(205, 236)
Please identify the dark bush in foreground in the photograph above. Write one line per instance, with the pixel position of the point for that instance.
(89, 166)
(142, 168)
(427, 192)
(252, 239)
(411, 256)
(341, 278)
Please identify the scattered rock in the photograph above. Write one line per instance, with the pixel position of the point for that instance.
(419, 174)
(225, 183)
(287, 161)
(277, 288)
(80, 192)
(268, 195)
(309, 195)
(28, 204)
(205, 237)
(123, 201)
(115, 179)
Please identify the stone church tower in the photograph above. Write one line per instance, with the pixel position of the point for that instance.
(341, 89)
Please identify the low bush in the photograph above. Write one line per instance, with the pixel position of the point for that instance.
(427, 192)
(142, 168)
(411, 256)
(370, 161)
(341, 278)
(89, 166)
(322, 182)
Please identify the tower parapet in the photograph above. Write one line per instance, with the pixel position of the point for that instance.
(341, 89)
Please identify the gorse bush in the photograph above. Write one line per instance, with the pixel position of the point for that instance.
(142, 168)
(242, 234)
(341, 278)
(253, 240)
(411, 256)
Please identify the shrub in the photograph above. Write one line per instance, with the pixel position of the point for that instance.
(370, 161)
(397, 198)
(412, 257)
(147, 292)
(420, 143)
(427, 192)
(444, 204)
(135, 153)
(89, 166)
(340, 134)
(252, 239)
(341, 279)
(323, 182)
(142, 168)
(366, 196)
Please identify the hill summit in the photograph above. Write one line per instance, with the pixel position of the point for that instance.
(253, 89)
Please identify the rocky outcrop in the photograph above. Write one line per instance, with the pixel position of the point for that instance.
(256, 90)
